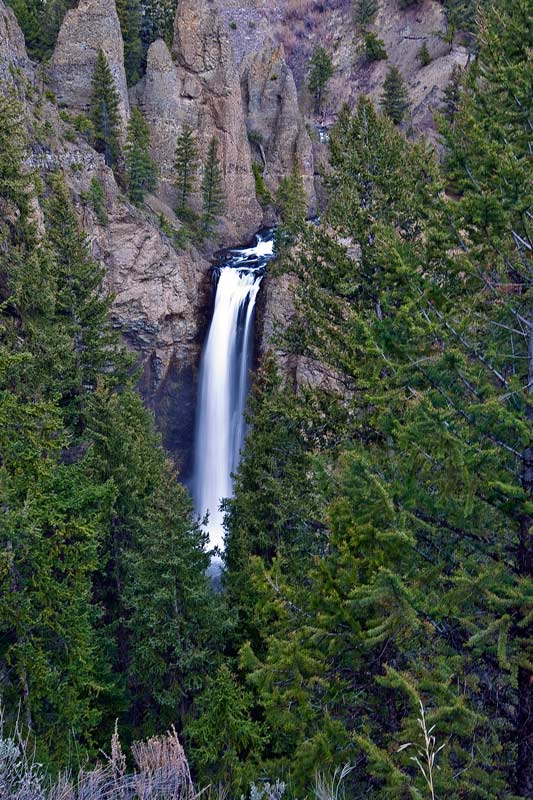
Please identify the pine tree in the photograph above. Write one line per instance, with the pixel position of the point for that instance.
(141, 169)
(40, 21)
(104, 112)
(320, 72)
(163, 625)
(423, 55)
(373, 47)
(157, 22)
(225, 740)
(365, 12)
(394, 100)
(130, 16)
(212, 188)
(15, 182)
(291, 203)
(186, 165)
(52, 513)
(452, 95)
(82, 309)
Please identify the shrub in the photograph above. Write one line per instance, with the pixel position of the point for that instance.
(424, 56)
(374, 47)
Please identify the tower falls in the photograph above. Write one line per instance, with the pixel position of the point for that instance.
(225, 380)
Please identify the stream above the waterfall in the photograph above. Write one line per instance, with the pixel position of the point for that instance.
(225, 368)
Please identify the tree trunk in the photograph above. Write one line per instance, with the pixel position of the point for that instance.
(524, 765)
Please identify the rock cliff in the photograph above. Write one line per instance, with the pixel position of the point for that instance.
(211, 102)
(275, 124)
(162, 295)
(13, 56)
(92, 26)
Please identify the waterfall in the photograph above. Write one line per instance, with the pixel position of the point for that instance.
(224, 380)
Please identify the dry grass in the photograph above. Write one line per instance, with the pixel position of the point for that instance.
(161, 773)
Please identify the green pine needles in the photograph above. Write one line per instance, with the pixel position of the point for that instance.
(187, 166)
(320, 72)
(394, 100)
(212, 188)
(141, 169)
(105, 114)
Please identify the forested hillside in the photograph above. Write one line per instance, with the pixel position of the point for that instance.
(372, 633)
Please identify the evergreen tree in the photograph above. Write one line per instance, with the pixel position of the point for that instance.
(162, 624)
(373, 47)
(320, 72)
(141, 169)
(40, 21)
(225, 740)
(186, 166)
(104, 112)
(423, 55)
(212, 188)
(52, 513)
(291, 203)
(130, 15)
(15, 182)
(394, 100)
(365, 12)
(82, 308)
(157, 22)
(452, 95)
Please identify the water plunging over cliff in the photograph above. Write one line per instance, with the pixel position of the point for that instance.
(225, 379)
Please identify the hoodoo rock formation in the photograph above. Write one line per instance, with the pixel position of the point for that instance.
(211, 101)
(275, 125)
(92, 26)
(13, 54)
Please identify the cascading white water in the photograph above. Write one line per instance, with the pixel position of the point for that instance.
(224, 381)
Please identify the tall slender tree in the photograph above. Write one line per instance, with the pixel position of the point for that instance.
(141, 169)
(186, 165)
(394, 100)
(105, 112)
(320, 72)
(130, 15)
(365, 12)
(212, 188)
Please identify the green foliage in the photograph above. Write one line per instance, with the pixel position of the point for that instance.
(423, 55)
(40, 21)
(394, 100)
(320, 72)
(223, 735)
(409, 303)
(95, 199)
(373, 47)
(141, 169)
(365, 12)
(186, 166)
(291, 205)
(105, 112)
(15, 182)
(452, 95)
(212, 189)
(261, 190)
(157, 22)
(130, 16)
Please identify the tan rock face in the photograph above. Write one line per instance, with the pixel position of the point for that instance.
(210, 100)
(274, 119)
(92, 26)
(13, 54)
